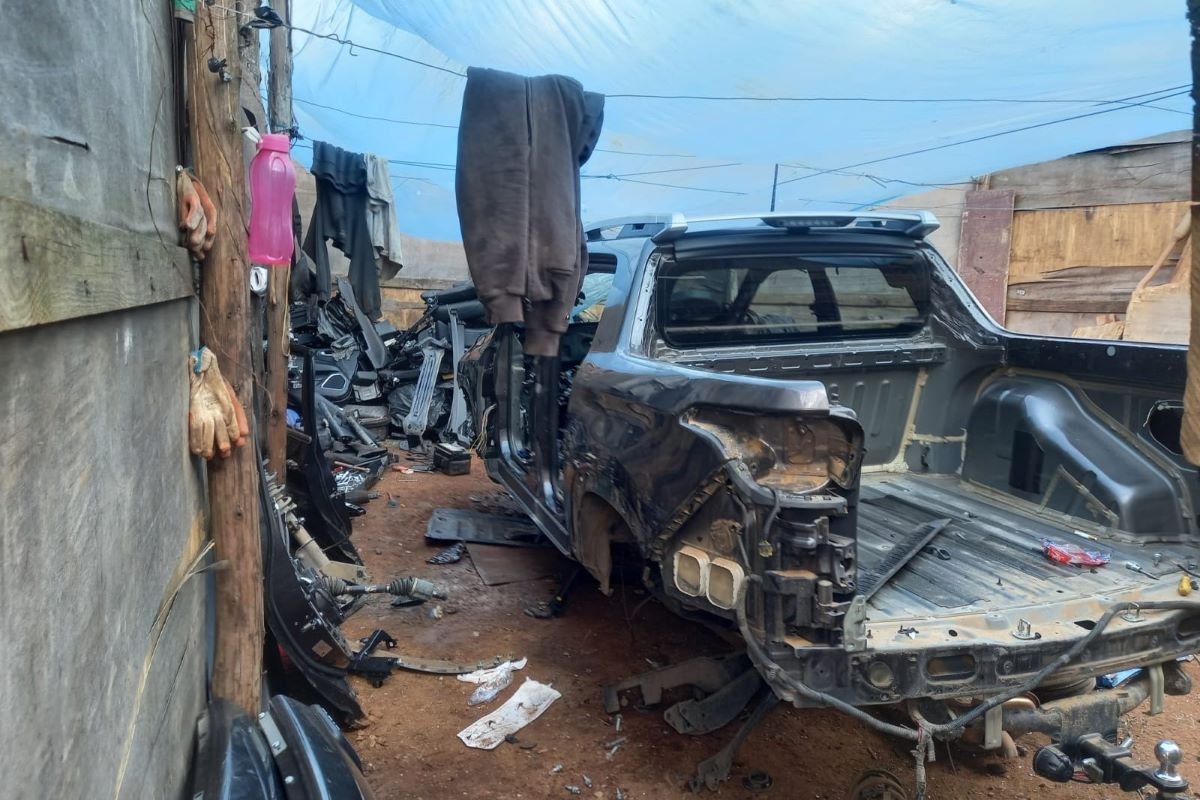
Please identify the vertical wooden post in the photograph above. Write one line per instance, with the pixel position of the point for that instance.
(216, 120)
(279, 77)
(279, 100)
(1190, 434)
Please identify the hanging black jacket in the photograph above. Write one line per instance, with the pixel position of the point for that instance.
(340, 215)
(521, 142)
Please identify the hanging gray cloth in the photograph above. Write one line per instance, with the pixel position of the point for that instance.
(521, 142)
(381, 216)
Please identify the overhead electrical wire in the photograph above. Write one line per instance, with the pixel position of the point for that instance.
(993, 135)
(333, 37)
(392, 120)
(869, 99)
(647, 155)
(441, 166)
(879, 179)
(676, 169)
(455, 127)
(667, 185)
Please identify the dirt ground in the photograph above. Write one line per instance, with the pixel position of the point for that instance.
(410, 748)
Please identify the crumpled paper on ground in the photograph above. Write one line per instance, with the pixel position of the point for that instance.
(491, 681)
(527, 704)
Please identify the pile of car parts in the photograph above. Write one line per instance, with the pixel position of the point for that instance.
(373, 381)
(312, 583)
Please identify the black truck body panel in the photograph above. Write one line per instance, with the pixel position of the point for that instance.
(674, 454)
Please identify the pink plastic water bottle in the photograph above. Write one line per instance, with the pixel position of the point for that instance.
(272, 185)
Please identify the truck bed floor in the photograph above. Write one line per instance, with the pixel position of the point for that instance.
(995, 551)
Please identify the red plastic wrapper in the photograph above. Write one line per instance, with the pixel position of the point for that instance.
(1074, 555)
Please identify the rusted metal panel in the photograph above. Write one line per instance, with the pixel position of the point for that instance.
(984, 247)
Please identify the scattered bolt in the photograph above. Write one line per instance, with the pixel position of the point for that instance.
(587, 781)
(612, 752)
(557, 768)
(617, 742)
(620, 794)
(573, 789)
(618, 723)
(1025, 631)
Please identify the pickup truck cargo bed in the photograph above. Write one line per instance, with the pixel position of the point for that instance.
(995, 563)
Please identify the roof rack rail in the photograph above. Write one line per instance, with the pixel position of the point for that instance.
(915, 224)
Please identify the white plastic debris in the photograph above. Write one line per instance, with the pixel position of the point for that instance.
(491, 681)
(527, 704)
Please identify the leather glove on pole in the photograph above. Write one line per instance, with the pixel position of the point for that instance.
(216, 420)
(197, 215)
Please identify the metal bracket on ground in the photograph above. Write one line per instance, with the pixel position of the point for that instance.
(713, 771)
(698, 717)
(709, 674)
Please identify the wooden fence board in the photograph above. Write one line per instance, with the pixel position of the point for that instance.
(984, 247)
(55, 267)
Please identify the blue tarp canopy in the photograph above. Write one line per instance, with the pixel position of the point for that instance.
(857, 102)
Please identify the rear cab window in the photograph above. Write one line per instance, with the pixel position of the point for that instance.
(771, 299)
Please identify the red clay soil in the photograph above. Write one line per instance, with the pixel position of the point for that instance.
(410, 748)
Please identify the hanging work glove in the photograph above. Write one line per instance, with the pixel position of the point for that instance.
(197, 214)
(216, 420)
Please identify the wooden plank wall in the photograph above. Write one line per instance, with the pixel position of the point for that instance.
(1069, 265)
(402, 303)
(59, 267)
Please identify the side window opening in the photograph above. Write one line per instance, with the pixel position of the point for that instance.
(597, 284)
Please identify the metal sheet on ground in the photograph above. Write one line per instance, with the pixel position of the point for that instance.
(501, 565)
(461, 525)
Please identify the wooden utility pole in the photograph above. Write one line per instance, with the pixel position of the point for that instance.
(279, 100)
(1190, 434)
(279, 77)
(216, 120)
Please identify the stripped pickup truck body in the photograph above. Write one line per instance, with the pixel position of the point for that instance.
(806, 429)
